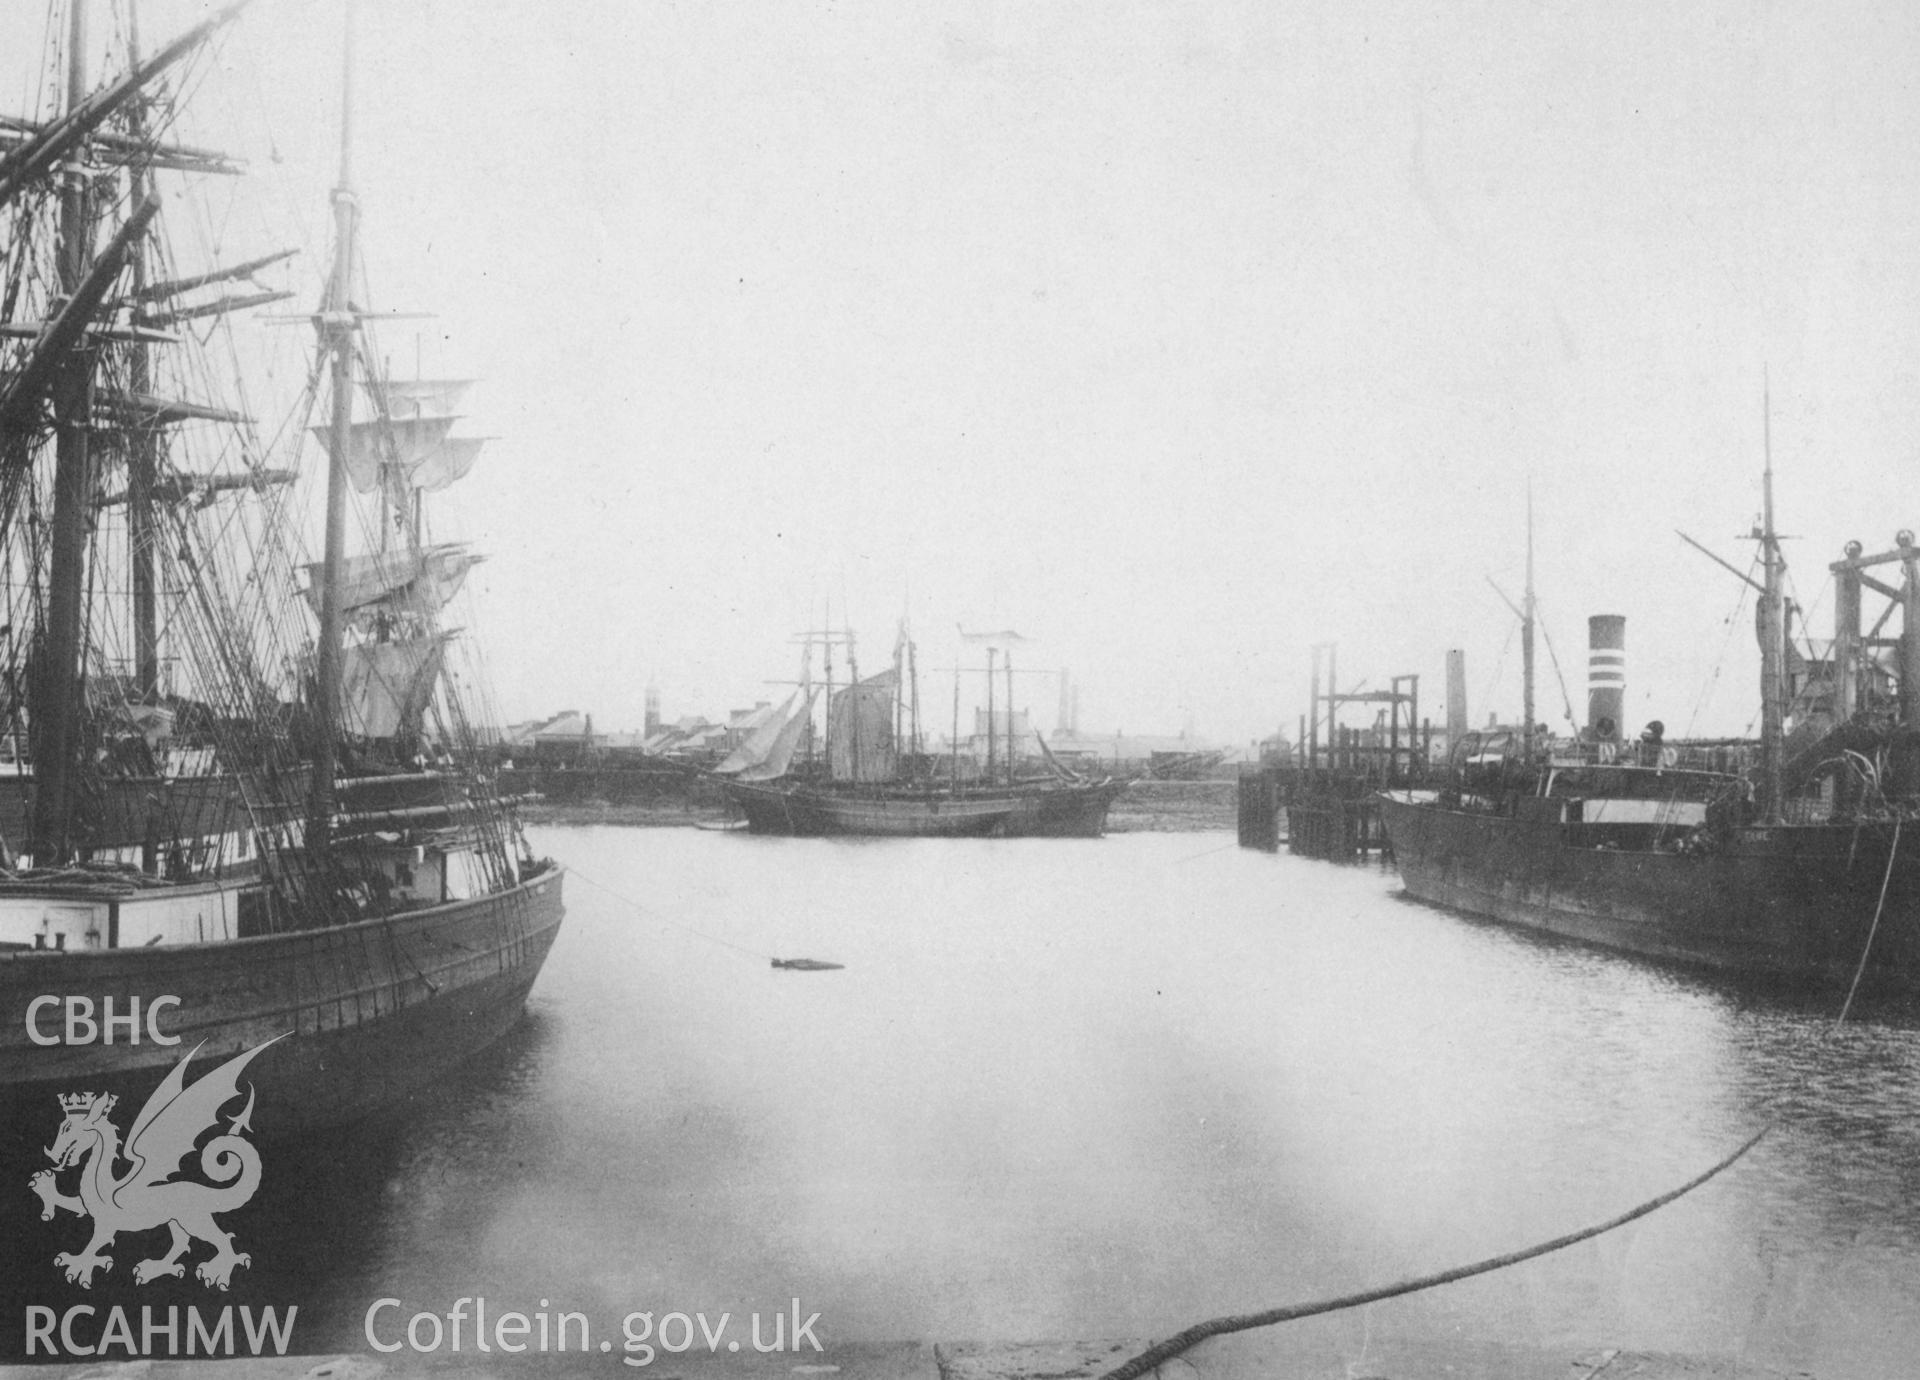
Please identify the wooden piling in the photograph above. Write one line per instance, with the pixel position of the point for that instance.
(1322, 802)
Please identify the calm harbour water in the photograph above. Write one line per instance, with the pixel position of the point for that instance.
(1108, 1088)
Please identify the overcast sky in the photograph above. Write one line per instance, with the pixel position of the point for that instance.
(1177, 338)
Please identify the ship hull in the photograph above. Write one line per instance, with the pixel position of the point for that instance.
(1795, 903)
(1063, 811)
(376, 1010)
(1072, 811)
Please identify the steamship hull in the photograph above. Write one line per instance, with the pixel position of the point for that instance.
(1067, 810)
(1789, 904)
(375, 1010)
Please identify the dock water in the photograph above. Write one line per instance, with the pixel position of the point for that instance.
(1108, 1088)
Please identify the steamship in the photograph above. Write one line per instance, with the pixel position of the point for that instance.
(1783, 860)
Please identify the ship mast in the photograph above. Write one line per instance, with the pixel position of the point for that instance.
(1008, 665)
(827, 734)
(336, 324)
(991, 652)
(853, 705)
(144, 445)
(1526, 640)
(913, 675)
(60, 369)
(60, 684)
(1772, 632)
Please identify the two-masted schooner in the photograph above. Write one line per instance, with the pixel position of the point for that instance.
(238, 798)
(871, 774)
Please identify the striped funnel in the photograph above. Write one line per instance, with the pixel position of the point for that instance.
(1606, 675)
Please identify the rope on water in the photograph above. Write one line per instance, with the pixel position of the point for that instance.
(1207, 853)
(671, 924)
(1173, 1346)
(797, 965)
(1874, 928)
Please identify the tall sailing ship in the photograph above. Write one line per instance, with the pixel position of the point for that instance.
(868, 773)
(239, 798)
(1786, 860)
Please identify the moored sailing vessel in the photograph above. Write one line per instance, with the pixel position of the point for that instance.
(872, 776)
(1031, 809)
(1785, 860)
(227, 827)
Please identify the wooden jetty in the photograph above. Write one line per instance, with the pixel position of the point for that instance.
(1320, 800)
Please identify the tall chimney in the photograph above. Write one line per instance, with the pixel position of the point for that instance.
(1606, 676)
(1456, 697)
(653, 710)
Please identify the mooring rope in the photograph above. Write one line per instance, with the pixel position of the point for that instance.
(671, 924)
(1173, 1346)
(1206, 853)
(801, 965)
(1892, 852)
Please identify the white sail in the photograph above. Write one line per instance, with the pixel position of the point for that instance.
(404, 441)
(384, 685)
(447, 463)
(763, 748)
(425, 397)
(782, 755)
(400, 581)
(860, 725)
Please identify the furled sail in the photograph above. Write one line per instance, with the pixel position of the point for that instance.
(768, 750)
(400, 581)
(387, 685)
(860, 725)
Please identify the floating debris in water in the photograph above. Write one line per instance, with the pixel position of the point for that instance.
(806, 965)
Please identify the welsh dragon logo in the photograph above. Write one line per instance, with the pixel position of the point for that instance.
(148, 1195)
